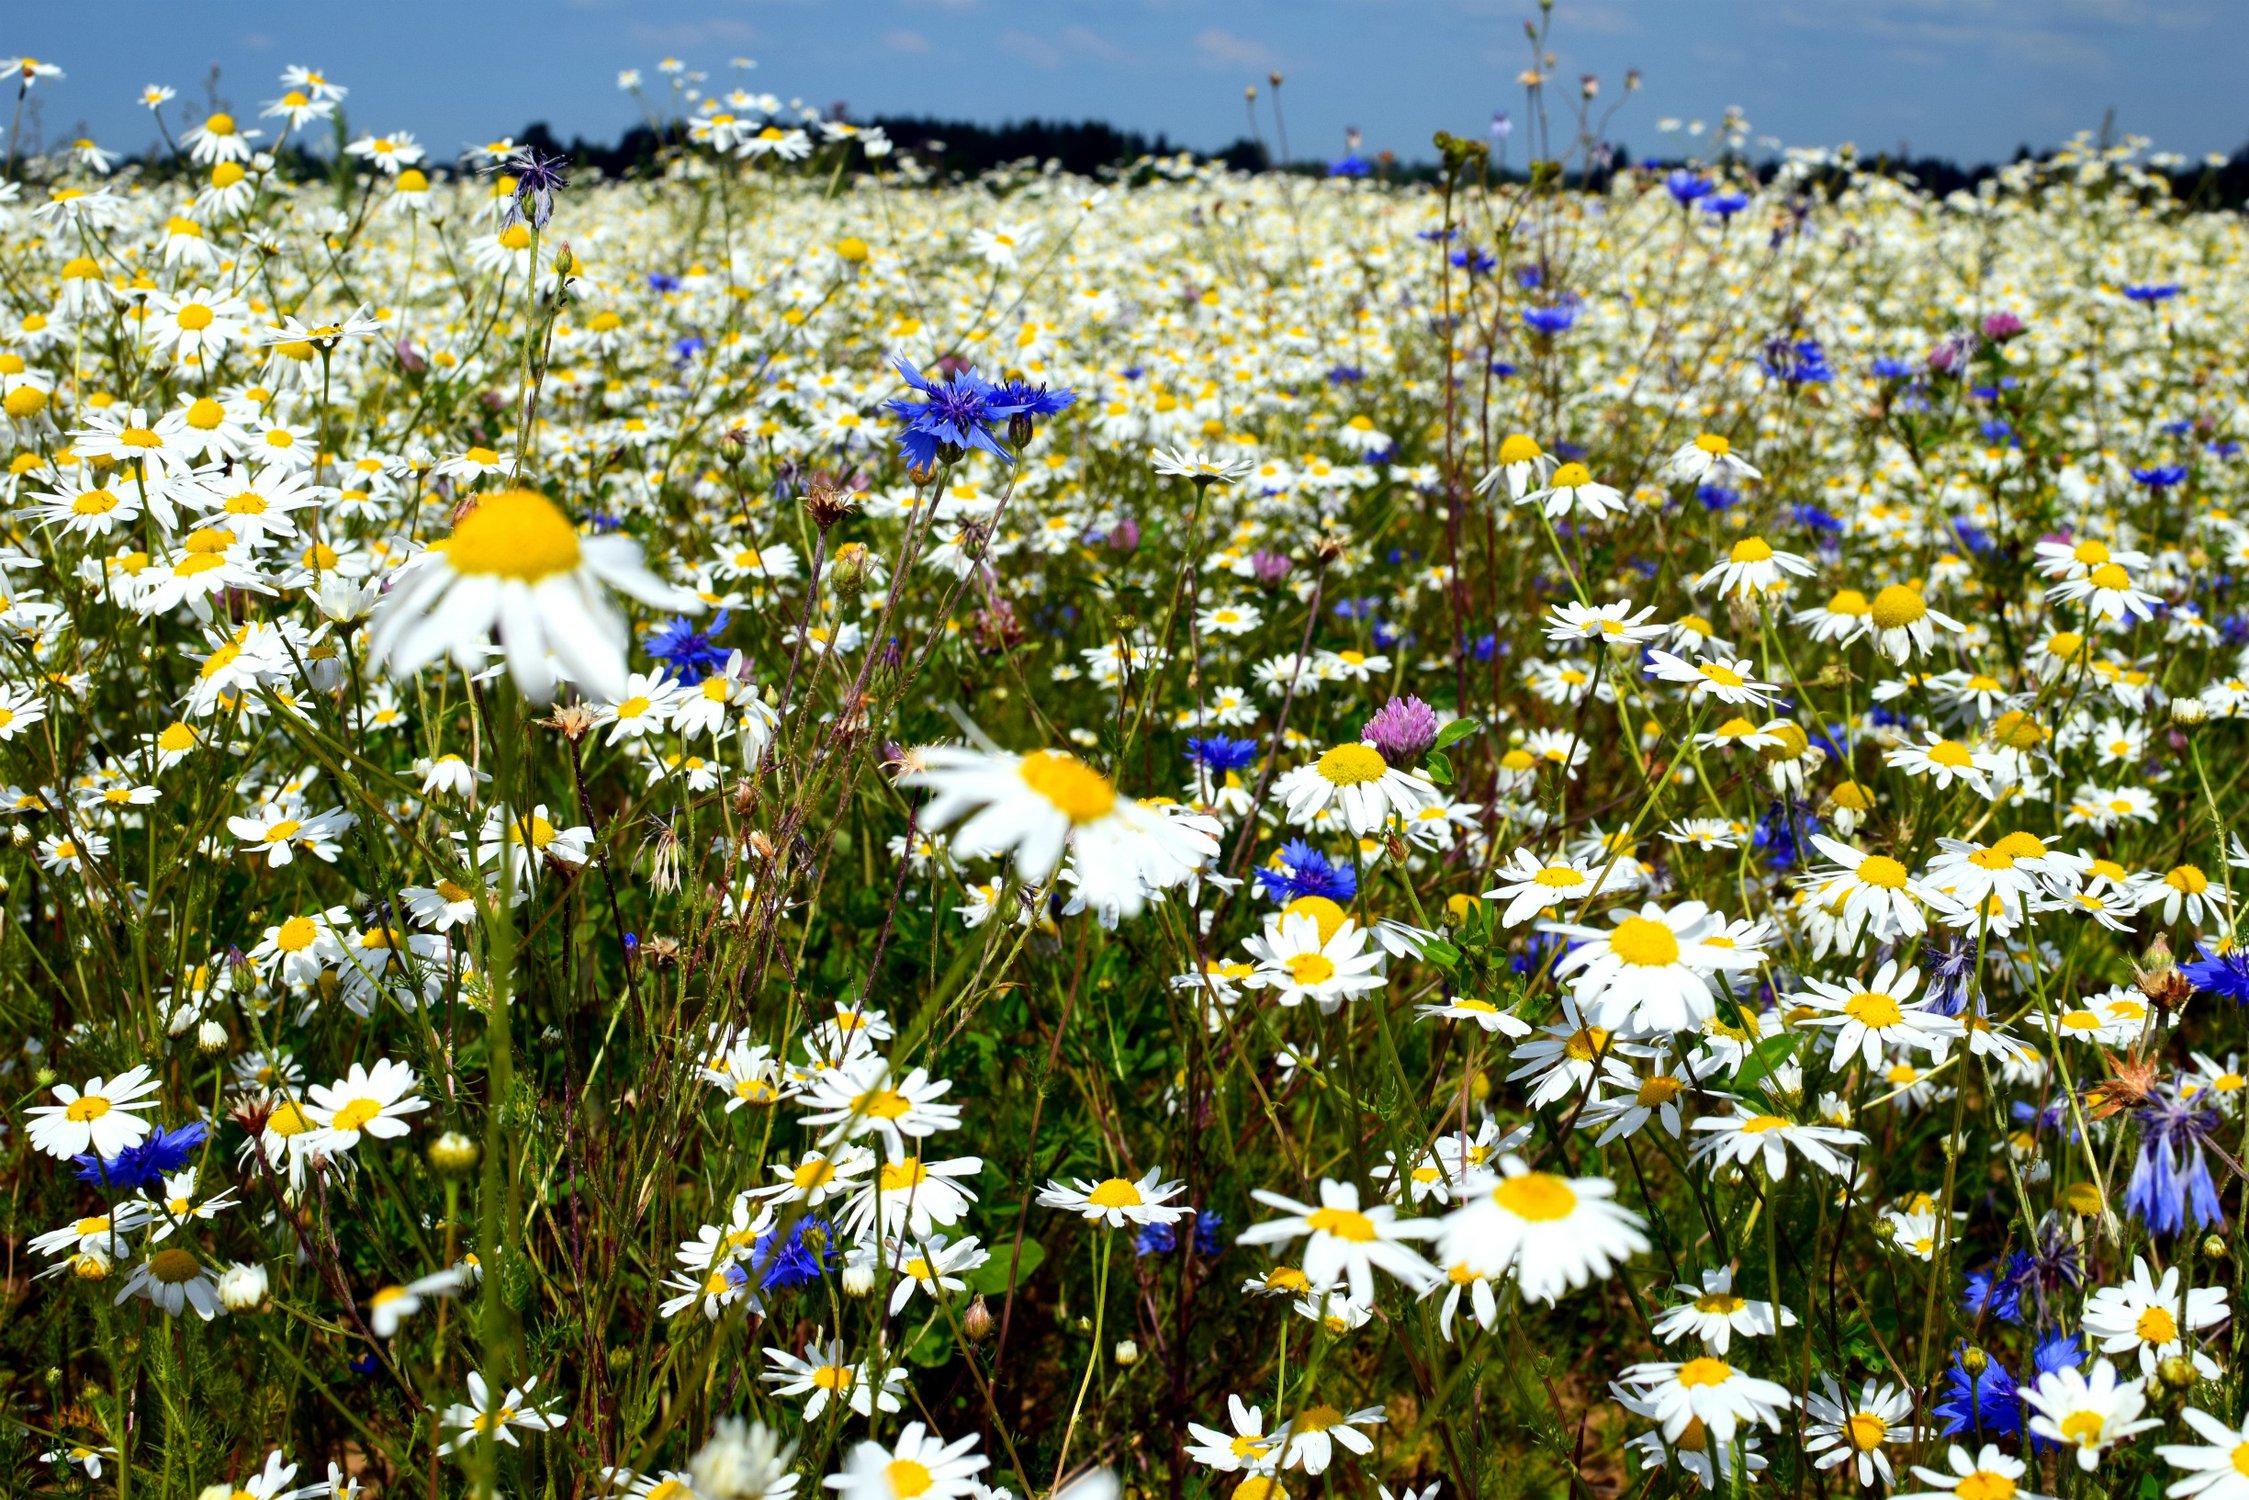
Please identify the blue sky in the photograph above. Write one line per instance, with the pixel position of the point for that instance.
(1965, 78)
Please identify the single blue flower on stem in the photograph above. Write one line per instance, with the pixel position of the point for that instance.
(1155, 1239)
(782, 1265)
(1207, 1224)
(1997, 1291)
(692, 653)
(2171, 1183)
(2161, 477)
(1305, 871)
(960, 413)
(1984, 1399)
(2221, 972)
(1685, 186)
(146, 1162)
(1549, 320)
(1222, 754)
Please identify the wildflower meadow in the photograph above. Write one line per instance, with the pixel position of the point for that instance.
(777, 823)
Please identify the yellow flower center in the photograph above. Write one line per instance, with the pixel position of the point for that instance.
(1540, 1197)
(514, 534)
(1343, 1223)
(194, 317)
(1896, 607)
(882, 1104)
(1570, 476)
(355, 1115)
(1720, 1302)
(1115, 1192)
(1076, 790)
(907, 1478)
(1518, 449)
(1759, 1124)
(1714, 445)
(2109, 576)
(173, 1266)
(1644, 942)
(86, 1107)
(2157, 1326)
(1873, 1009)
(1750, 549)
(1352, 765)
(2188, 880)
(1704, 1372)
(94, 503)
(1311, 968)
(1951, 753)
(287, 1120)
(1864, 1431)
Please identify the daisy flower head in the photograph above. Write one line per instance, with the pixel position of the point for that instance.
(1347, 1244)
(1988, 1474)
(1727, 681)
(1572, 490)
(1530, 885)
(1312, 951)
(919, 1466)
(1710, 459)
(1522, 465)
(516, 563)
(1709, 1391)
(1359, 783)
(1650, 972)
(484, 1417)
(1882, 1014)
(1841, 1429)
(2087, 1413)
(1741, 1138)
(1552, 1233)
(101, 1117)
(365, 1102)
(2216, 1468)
(1715, 1312)
(1118, 1201)
(1752, 569)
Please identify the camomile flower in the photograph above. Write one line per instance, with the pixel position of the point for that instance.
(1530, 885)
(1202, 468)
(2088, 1413)
(1482, 1014)
(2144, 1316)
(1347, 1243)
(483, 1417)
(864, 1097)
(1572, 490)
(1651, 970)
(1842, 1430)
(932, 1265)
(1709, 1391)
(1614, 625)
(277, 833)
(1901, 623)
(102, 1117)
(2214, 1469)
(515, 562)
(1040, 805)
(1357, 781)
(365, 1102)
(1752, 569)
(174, 1280)
(1313, 955)
(1987, 1475)
(1945, 761)
(919, 1466)
(1742, 1138)
(1714, 1313)
(825, 1373)
(1710, 459)
(85, 509)
(2076, 558)
(1249, 1447)
(218, 139)
(1881, 1014)
(1878, 895)
(1118, 1201)
(1316, 1430)
(1522, 465)
(1727, 681)
(1548, 1231)
(2107, 592)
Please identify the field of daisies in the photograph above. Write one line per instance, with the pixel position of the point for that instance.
(769, 827)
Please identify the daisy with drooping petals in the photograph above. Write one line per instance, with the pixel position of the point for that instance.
(1347, 1243)
(1710, 459)
(1550, 1232)
(484, 1417)
(1118, 1201)
(1753, 568)
(1710, 1392)
(1742, 1138)
(2090, 1413)
(515, 562)
(1316, 956)
(1522, 464)
(1714, 1313)
(1531, 885)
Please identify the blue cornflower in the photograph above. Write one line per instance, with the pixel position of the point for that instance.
(2171, 1184)
(1155, 1239)
(1474, 261)
(692, 654)
(538, 178)
(1549, 319)
(2162, 292)
(1986, 1400)
(1207, 1224)
(959, 414)
(2222, 972)
(1305, 871)
(1888, 368)
(662, 281)
(1814, 519)
(688, 349)
(2161, 477)
(1685, 186)
(1952, 969)
(1222, 754)
(1997, 1291)
(1726, 205)
(1796, 361)
(145, 1163)
(1346, 375)
(782, 1265)
(1024, 400)
(2060, 1351)
(1716, 497)
(1501, 369)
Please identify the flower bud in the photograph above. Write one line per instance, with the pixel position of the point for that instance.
(858, 1279)
(453, 1155)
(242, 1287)
(1974, 1360)
(2189, 711)
(1127, 1353)
(977, 1321)
(211, 1037)
(2177, 1372)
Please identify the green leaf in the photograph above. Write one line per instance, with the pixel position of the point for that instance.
(1762, 1059)
(1437, 769)
(990, 1278)
(1458, 729)
(1441, 953)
